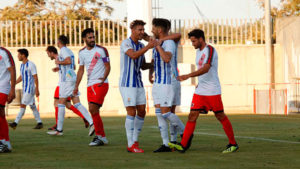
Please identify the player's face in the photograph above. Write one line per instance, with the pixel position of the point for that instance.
(20, 57)
(138, 31)
(90, 40)
(50, 55)
(155, 31)
(195, 42)
(59, 44)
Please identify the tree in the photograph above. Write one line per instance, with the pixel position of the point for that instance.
(286, 8)
(56, 9)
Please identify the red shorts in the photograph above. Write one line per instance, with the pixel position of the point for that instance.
(207, 103)
(56, 94)
(96, 94)
(3, 99)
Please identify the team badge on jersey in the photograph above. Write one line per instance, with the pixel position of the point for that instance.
(97, 55)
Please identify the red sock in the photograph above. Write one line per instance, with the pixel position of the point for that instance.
(188, 131)
(98, 124)
(76, 111)
(228, 130)
(56, 114)
(3, 129)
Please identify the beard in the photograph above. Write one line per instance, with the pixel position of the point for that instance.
(91, 44)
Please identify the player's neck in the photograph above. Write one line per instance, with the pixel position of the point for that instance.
(89, 47)
(24, 60)
(134, 39)
(202, 46)
(61, 47)
(162, 35)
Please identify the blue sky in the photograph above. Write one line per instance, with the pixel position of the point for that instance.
(185, 9)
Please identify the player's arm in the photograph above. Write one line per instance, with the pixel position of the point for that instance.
(80, 73)
(67, 61)
(199, 72)
(36, 82)
(146, 37)
(146, 65)
(175, 37)
(12, 93)
(151, 71)
(106, 72)
(166, 56)
(19, 79)
(136, 54)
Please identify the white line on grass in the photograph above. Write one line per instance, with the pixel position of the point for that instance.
(252, 138)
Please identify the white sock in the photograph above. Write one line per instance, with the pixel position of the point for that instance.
(129, 125)
(138, 124)
(173, 132)
(36, 113)
(20, 115)
(61, 116)
(84, 112)
(163, 127)
(8, 144)
(174, 119)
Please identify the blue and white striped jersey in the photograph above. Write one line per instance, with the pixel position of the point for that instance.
(163, 70)
(66, 72)
(28, 69)
(130, 74)
(174, 65)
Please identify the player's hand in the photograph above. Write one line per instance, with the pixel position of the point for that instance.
(159, 42)
(37, 92)
(11, 96)
(102, 81)
(75, 91)
(56, 69)
(182, 78)
(151, 79)
(152, 43)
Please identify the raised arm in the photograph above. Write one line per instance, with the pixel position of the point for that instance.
(67, 61)
(199, 72)
(136, 54)
(175, 37)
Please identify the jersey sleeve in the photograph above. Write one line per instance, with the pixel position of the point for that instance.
(8, 59)
(210, 54)
(64, 53)
(169, 46)
(105, 55)
(80, 59)
(126, 45)
(33, 69)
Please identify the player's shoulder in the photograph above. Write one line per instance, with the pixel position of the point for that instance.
(5, 51)
(82, 50)
(101, 49)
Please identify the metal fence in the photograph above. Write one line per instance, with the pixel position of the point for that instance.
(35, 33)
(224, 31)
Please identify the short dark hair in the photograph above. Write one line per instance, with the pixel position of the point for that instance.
(23, 51)
(63, 39)
(136, 23)
(87, 31)
(169, 25)
(197, 33)
(52, 49)
(162, 23)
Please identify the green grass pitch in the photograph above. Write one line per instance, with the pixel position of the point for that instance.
(265, 142)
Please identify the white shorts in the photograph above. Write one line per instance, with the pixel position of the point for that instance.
(177, 93)
(162, 94)
(66, 89)
(133, 96)
(28, 99)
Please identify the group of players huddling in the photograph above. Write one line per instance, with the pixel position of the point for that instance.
(163, 74)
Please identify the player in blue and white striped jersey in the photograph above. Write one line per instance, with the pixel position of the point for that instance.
(67, 80)
(28, 77)
(131, 85)
(162, 91)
